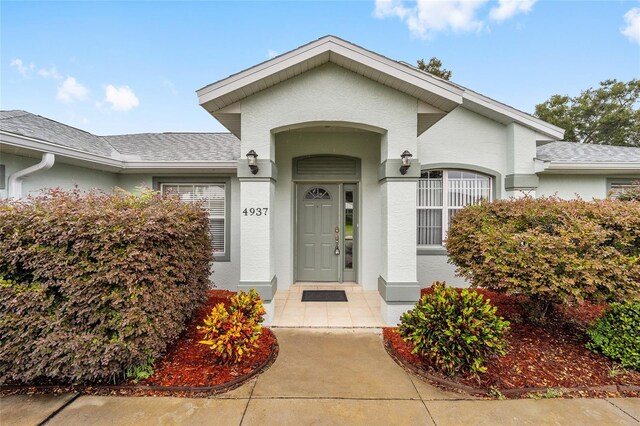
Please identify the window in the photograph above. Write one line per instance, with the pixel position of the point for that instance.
(619, 187)
(441, 193)
(317, 194)
(214, 202)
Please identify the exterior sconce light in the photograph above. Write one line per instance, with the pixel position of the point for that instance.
(252, 159)
(406, 162)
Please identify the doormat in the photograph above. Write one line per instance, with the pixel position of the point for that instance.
(324, 296)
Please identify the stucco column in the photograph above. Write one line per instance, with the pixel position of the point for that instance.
(256, 231)
(397, 283)
(521, 151)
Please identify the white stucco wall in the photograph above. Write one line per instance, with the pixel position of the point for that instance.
(332, 94)
(433, 268)
(465, 137)
(568, 187)
(61, 175)
(462, 138)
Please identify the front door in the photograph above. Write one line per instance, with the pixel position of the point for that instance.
(318, 232)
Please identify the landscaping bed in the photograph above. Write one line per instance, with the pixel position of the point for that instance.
(188, 368)
(538, 358)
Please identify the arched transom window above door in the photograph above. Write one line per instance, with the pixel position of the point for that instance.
(317, 193)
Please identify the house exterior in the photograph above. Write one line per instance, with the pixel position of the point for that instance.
(326, 198)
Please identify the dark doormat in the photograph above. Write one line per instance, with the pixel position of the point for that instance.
(324, 296)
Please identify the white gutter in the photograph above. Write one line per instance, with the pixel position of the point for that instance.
(575, 167)
(14, 185)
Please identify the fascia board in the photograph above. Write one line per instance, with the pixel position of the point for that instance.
(577, 167)
(347, 50)
(44, 146)
(255, 73)
(520, 117)
(141, 165)
(400, 72)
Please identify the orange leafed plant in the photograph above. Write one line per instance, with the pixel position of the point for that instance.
(231, 334)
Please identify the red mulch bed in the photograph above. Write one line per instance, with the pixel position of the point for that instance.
(553, 356)
(188, 368)
(189, 363)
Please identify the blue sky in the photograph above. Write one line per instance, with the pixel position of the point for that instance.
(132, 67)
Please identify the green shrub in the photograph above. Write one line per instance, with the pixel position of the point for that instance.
(94, 285)
(232, 334)
(617, 334)
(552, 250)
(456, 331)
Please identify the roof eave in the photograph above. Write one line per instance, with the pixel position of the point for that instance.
(113, 164)
(587, 167)
(21, 141)
(211, 96)
(326, 45)
(475, 101)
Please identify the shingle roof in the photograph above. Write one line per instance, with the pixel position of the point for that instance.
(177, 146)
(37, 127)
(226, 147)
(136, 147)
(579, 152)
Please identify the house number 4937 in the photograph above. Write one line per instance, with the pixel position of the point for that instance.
(258, 211)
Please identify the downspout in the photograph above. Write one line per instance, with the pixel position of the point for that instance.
(14, 185)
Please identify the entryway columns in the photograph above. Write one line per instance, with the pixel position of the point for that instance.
(257, 269)
(397, 283)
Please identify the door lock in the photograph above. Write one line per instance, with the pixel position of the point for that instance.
(337, 230)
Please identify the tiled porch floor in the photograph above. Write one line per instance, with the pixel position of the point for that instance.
(361, 310)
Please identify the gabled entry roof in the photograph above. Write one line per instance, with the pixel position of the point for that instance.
(438, 97)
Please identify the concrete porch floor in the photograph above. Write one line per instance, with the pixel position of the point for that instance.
(362, 310)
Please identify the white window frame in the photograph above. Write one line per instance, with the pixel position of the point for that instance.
(445, 208)
(210, 216)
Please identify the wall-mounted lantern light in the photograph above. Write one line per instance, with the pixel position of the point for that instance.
(252, 159)
(406, 162)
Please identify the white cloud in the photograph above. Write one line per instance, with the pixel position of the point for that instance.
(49, 73)
(121, 98)
(271, 53)
(424, 18)
(429, 17)
(70, 90)
(22, 68)
(507, 9)
(169, 85)
(632, 28)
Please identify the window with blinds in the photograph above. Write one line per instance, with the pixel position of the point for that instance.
(442, 193)
(213, 198)
(617, 188)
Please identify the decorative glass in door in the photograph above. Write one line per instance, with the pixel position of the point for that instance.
(348, 230)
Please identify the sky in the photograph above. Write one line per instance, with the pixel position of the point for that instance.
(117, 67)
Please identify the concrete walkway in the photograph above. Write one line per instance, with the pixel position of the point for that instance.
(321, 377)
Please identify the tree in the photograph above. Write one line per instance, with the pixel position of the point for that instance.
(608, 115)
(434, 67)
